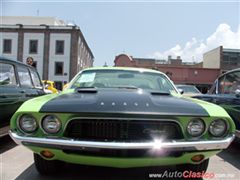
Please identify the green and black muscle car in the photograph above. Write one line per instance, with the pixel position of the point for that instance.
(121, 117)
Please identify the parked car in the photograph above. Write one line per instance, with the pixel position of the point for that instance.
(18, 83)
(49, 86)
(121, 117)
(226, 93)
(188, 90)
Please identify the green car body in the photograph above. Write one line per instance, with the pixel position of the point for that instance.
(158, 152)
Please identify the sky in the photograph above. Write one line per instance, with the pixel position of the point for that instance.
(143, 29)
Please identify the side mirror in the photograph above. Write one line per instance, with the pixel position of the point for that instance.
(181, 91)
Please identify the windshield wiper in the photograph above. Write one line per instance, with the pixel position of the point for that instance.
(127, 87)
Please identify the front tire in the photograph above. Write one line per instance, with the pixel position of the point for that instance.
(47, 167)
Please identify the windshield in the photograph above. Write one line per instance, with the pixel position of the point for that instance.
(229, 83)
(123, 79)
(189, 89)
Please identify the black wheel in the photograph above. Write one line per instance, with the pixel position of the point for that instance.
(202, 167)
(47, 167)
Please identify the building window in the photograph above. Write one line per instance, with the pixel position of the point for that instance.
(59, 47)
(7, 46)
(58, 68)
(33, 46)
(233, 61)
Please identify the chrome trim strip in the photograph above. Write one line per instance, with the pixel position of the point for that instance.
(74, 144)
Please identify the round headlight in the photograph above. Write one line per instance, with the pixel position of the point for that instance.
(218, 127)
(51, 124)
(28, 123)
(196, 127)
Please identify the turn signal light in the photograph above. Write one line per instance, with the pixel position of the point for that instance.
(47, 154)
(197, 158)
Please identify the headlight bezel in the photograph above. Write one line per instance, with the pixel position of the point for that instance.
(45, 130)
(203, 129)
(225, 129)
(20, 127)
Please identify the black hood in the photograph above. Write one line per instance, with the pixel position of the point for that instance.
(123, 101)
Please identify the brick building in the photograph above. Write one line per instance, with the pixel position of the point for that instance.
(179, 72)
(59, 50)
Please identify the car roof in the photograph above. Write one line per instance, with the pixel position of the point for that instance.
(12, 61)
(124, 68)
(230, 71)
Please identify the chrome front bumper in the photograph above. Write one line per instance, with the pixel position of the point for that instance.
(74, 144)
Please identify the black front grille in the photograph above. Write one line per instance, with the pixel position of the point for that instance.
(122, 130)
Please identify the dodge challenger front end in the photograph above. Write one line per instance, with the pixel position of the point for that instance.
(121, 117)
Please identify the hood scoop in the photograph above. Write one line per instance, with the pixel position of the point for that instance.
(86, 90)
(160, 93)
